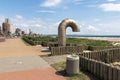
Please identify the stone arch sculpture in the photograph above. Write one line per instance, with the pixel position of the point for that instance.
(62, 30)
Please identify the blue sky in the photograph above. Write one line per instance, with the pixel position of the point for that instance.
(95, 17)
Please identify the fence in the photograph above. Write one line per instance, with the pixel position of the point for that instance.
(109, 55)
(99, 69)
(52, 44)
(66, 50)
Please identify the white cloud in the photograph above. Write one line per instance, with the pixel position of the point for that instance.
(77, 2)
(19, 17)
(96, 20)
(91, 5)
(46, 11)
(51, 3)
(65, 7)
(92, 28)
(111, 27)
(111, 0)
(2, 19)
(37, 25)
(110, 7)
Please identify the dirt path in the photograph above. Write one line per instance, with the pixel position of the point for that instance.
(15, 47)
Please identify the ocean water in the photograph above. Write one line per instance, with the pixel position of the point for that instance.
(90, 36)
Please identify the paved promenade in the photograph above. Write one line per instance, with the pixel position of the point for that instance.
(21, 62)
(16, 47)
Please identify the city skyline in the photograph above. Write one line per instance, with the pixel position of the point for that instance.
(95, 17)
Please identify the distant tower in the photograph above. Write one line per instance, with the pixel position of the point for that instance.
(7, 20)
(6, 26)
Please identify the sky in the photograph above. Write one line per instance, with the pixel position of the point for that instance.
(94, 17)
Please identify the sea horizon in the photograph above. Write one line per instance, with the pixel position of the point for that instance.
(88, 36)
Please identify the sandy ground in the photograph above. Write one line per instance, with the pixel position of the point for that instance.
(117, 64)
(55, 59)
(15, 47)
(105, 38)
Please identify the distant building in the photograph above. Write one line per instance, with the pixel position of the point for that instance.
(6, 27)
(18, 31)
(7, 20)
(27, 31)
(1, 31)
(12, 29)
(23, 32)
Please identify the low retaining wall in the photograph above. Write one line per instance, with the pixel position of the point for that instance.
(66, 50)
(99, 69)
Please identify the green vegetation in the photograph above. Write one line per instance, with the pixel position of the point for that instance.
(80, 76)
(88, 42)
(27, 44)
(85, 42)
(41, 38)
(60, 67)
(106, 55)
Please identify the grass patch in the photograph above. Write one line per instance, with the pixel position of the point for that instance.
(27, 44)
(80, 76)
(60, 67)
(88, 42)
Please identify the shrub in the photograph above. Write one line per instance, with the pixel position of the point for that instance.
(106, 57)
(73, 41)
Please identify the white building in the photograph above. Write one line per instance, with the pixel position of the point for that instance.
(27, 31)
(12, 28)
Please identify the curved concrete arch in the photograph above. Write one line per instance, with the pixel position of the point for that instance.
(62, 30)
